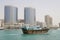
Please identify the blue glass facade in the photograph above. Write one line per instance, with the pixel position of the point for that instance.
(29, 15)
(10, 14)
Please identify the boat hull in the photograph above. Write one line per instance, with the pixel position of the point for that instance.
(34, 31)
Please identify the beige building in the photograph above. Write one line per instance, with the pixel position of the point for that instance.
(59, 25)
(0, 23)
(48, 21)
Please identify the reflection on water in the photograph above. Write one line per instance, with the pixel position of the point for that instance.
(18, 35)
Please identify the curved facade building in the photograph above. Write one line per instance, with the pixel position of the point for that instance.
(10, 14)
(29, 15)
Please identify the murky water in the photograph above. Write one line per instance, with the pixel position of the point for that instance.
(18, 35)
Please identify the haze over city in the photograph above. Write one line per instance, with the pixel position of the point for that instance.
(43, 7)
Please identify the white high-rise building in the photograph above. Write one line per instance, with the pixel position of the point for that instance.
(29, 15)
(10, 14)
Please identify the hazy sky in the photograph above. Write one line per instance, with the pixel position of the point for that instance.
(43, 7)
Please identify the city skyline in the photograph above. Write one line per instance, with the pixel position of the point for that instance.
(43, 7)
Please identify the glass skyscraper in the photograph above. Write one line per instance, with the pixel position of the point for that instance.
(29, 15)
(10, 14)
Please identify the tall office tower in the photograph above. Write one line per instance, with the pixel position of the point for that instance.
(29, 15)
(48, 21)
(10, 14)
